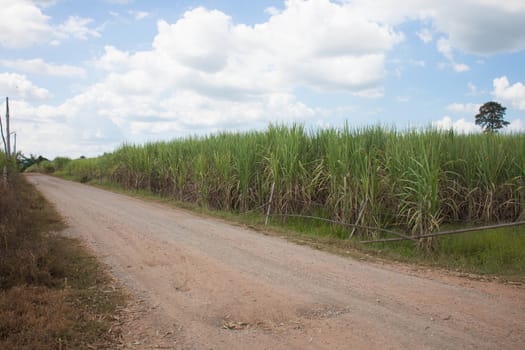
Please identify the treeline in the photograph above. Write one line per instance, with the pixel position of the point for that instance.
(414, 180)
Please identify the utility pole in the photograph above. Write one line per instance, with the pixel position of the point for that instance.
(5, 174)
(7, 128)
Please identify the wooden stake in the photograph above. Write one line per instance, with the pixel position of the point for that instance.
(269, 204)
(361, 212)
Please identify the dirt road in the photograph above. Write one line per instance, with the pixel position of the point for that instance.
(206, 284)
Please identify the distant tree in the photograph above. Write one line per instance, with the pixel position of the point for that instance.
(490, 117)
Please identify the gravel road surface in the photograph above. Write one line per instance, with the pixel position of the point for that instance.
(201, 283)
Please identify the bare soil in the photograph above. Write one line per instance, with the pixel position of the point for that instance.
(201, 283)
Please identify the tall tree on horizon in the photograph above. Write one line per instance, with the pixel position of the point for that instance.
(490, 117)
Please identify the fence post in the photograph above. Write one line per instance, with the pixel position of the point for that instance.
(269, 204)
(361, 212)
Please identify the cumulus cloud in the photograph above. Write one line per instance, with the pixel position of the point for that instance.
(467, 127)
(204, 71)
(474, 26)
(112, 59)
(513, 94)
(273, 11)
(483, 26)
(445, 48)
(346, 53)
(39, 66)
(18, 86)
(23, 24)
(51, 131)
(76, 27)
(516, 125)
(201, 40)
(464, 108)
(460, 125)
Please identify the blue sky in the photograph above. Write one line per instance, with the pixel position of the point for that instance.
(84, 77)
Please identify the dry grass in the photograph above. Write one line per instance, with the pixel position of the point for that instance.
(33, 318)
(53, 294)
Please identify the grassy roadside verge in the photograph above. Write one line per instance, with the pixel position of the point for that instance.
(53, 294)
(496, 254)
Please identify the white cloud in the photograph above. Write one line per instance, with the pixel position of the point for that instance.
(205, 52)
(139, 15)
(516, 125)
(472, 89)
(44, 3)
(425, 35)
(205, 73)
(53, 130)
(460, 67)
(464, 108)
(76, 27)
(483, 26)
(53, 139)
(513, 94)
(112, 60)
(18, 86)
(474, 26)
(23, 24)
(445, 48)
(39, 66)
(273, 11)
(217, 113)
(460, 125)
(201, 40)
(466, 127)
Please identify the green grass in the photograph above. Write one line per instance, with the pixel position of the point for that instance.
(494, 252)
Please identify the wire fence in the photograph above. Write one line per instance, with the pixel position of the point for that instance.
(400, 236)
